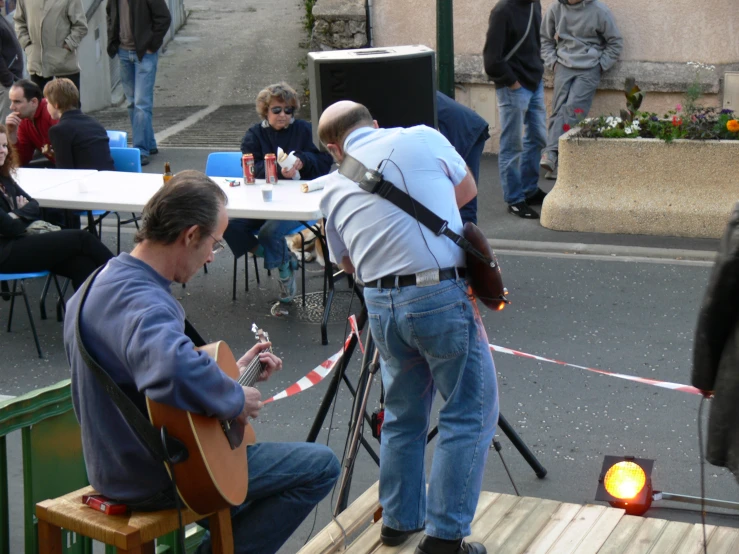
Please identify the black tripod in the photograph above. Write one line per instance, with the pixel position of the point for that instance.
(370, 365)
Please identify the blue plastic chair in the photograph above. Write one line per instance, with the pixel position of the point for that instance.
(224, 164)
(118, 139)
(228, 164)
(127, 160)
(20, 278)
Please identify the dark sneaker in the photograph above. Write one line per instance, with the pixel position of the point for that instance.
(432, 545)
(548, 162)
(145, 160)
(393, 537)
(154, 151)
(537, 198)
(521, 209)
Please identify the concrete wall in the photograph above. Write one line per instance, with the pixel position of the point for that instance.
(653, 30)
(94, 61)
(660, 37)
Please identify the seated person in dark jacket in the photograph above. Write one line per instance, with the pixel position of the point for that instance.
(69, 253)
(277, 104)
(79, 141)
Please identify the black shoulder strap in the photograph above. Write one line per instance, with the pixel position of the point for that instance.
(172, 450)
(373, 182)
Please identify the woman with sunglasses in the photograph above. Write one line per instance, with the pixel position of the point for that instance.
(277, 105)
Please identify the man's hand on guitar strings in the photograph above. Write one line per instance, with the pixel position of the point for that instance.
(270, 362)
(252, 404)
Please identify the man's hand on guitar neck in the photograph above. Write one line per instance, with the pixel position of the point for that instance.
(270, 362)
(252, 397)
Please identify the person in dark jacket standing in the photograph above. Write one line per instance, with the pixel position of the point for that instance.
(136, 30)
(79, 140)
(512, 57)
(716, 352)
(11, 63)
(277, 105)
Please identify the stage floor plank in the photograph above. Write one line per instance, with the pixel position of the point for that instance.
(508, 524)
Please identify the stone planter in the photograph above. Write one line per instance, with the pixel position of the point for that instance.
(685, 188)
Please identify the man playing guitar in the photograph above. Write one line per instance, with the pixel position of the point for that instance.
(135, 329)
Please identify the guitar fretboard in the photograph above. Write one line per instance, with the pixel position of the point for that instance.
(251, 373)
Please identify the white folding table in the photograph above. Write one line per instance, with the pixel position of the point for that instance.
(117, 191)
(36, 180)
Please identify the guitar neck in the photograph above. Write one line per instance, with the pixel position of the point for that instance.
(251, 374)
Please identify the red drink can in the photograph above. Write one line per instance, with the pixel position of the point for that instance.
(247, 163)
(270, 169)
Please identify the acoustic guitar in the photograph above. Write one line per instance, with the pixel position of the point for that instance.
(215, 474)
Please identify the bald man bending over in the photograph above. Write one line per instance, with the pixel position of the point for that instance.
(426, 326)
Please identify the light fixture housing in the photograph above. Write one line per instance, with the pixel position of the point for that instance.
(626, 482)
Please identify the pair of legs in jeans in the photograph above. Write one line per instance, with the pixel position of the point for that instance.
(247, 235)
(137, 78)
(286, 481)
(431, 338)
(520, 150)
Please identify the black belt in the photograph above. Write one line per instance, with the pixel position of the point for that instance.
(389, 281)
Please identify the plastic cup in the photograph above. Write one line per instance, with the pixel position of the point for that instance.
(266, 193)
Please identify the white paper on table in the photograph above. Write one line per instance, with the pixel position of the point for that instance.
(287, 161)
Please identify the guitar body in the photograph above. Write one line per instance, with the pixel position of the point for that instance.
(214, 476)
(485, 281)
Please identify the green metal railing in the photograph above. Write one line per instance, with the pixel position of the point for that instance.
(445, 46)
(53, 465)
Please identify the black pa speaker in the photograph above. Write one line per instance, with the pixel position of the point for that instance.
(397, 84)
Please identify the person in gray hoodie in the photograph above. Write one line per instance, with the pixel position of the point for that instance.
(579, 40)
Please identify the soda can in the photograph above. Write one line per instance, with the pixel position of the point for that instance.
(247, 163)
(270, 169)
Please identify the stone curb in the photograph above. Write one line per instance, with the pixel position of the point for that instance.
(601, 250)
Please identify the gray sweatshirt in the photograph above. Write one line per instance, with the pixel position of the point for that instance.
(580, 36)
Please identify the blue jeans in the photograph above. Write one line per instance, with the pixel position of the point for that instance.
(137, 78)
(244, 235)
(286, 481)
(520, 152)
(432, 338)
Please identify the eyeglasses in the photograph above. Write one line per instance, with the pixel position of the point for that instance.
(217, 245)
(277, 110)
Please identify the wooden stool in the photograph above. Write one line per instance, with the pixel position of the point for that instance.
(132, 533)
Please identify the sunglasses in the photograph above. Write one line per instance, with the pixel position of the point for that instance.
(277, 110)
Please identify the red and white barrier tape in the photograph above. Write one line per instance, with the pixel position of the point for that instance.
(318, 374)
(643, 380)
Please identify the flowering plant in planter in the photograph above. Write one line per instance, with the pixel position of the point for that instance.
(694, 122)
(703, 124)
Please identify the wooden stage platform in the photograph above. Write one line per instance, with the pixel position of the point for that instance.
(511, 524)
